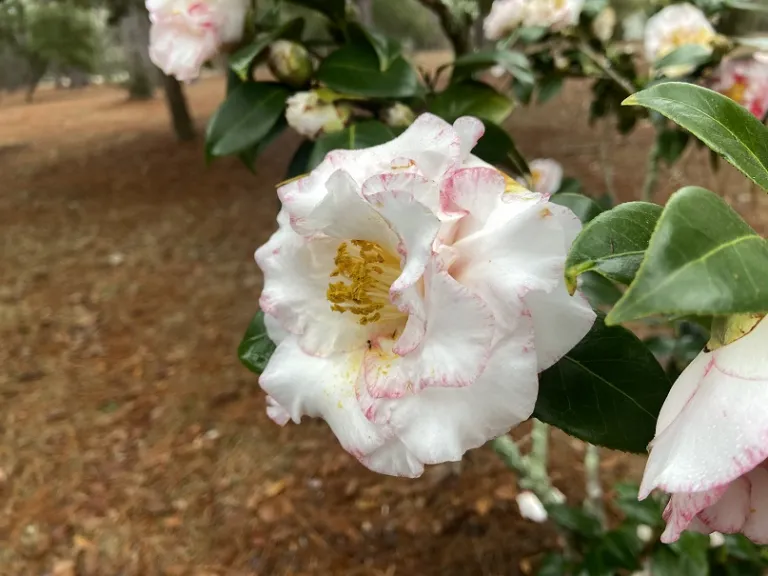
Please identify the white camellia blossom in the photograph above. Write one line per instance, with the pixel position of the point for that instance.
(414, 293)
(710, 448)
(531, 507)
(506, 15)
(546, 175)
(744, 81)
(675, 26)
(186, 33)
(307, 114)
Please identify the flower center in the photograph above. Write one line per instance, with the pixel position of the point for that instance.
(366, 271)
(736, 91)
(685, 36)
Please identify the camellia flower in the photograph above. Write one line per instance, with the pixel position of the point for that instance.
(309, 115)
(187, 33)
(506, 15)
(675, 26)
(546, 175)
(604, 25)
(746, 82)
(710, 448)
(414, 292)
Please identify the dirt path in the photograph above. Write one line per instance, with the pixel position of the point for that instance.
(132, 442)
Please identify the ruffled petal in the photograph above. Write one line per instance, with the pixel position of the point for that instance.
(440, 424)
(471, 194)
(470, 130)
(721, 432)
(277, 413)
(683, 508)
(179, 51)
(756, 526)
(731, 510)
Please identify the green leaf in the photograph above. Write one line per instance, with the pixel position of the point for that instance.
(570, 184)
(646, 512)
(514, 62)
(553, 565)
(471, 98)
(671, 145)
(256, 348)
(245, 117)
(549, 88)
(750, 6)
(528, 34)
(718, 121)
(299, 164)
(614, 243)
(333, 9)
(355, 136)
(692, 553)
(599, 290)
(758, 42)
(607, 390)
(497, 147)
(242, 61)
(702, 259)
(693, 55)
(387, 49)
(574, 520)
(355, 70)
(249, 156)
(584, 207)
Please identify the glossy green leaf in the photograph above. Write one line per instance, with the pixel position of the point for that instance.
(333, 9)
(549, 87)
(607, 390)
(256, 348)
(692, 550)
(647, 512)
(355, 136)
(570, 184)
(693, 55)
(671, 144)
(299, 163)
(614, 243)
(718, 121)
(471, 98)
(513, 61)
(553, 565)
(584, 207)
(617, 550)
(387, 49)
(245, 117)
(599, 291)
(356, 70)
(574, 520)
(497, 147)
(242, 61)
(702, 259)
(249, 156)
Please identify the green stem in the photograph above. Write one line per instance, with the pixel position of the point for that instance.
(605, 65)
(593, 503)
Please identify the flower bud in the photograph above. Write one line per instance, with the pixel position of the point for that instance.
(531, 507)
(290, 63)
(310, 116)
(644, 533)
(398, 116)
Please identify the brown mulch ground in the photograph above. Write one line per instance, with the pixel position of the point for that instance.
(132, 442)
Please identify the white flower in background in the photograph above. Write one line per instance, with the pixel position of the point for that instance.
(644, 533)
(398, 115)
(716, 540)
(744, 81)
(546, 175)
(675, 26)
(414, 299)
(710, 448)
(309, 115)
(604, 25)
(506, 15)
(531, 507)
(186, 33)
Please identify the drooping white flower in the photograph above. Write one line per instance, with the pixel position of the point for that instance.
(675, 26)
(744, 81)
(531, 507)
(546, 175)
(506, 15)
(710, 448)
(186, 33)
(309, 115)
(413, 299)
(398, 115)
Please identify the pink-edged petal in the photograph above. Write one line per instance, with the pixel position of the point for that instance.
(731, 510)
(395, 197)
(344, 214)
(296, 276)
(560, 322)
(721, 432)
(324, 388)
(453, 353)
(470, 130)
(180, 51)
(277, 413)
(302, 195)
(440, 424)
(756, 526)
(683, 508)
(472, 194)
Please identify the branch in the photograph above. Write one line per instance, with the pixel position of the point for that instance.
(456, 33)
(605, 65)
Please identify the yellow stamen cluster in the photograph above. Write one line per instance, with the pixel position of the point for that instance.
(685, 36)
(736, 92)
(369, 272)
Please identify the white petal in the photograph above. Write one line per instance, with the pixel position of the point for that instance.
(178, 50)
(683, 508)
(275, 330)
(470, 130)
(277, 413)
(324, 388)
(560, 322)
(547, 175)
(729, 513)
(721, 431)
(756, 527)
(472, 194)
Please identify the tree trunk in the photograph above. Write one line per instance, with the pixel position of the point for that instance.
(134, 36)
(177, 106)
(37, 71)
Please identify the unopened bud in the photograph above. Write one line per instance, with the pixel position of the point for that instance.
(290, 63)
(398, 116)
